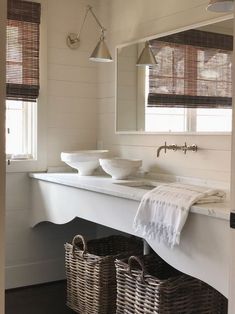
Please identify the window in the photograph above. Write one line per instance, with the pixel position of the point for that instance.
(191, 86)
(22, 77)
(21, 128)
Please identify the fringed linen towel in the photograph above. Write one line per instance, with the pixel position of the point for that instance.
(163, 211)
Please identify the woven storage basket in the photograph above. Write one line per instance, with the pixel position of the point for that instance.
(91, 273)
(154, 287)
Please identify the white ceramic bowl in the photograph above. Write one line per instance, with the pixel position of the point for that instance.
(120, 168)
(85, 161)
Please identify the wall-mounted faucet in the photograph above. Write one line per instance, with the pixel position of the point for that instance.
(175, 147)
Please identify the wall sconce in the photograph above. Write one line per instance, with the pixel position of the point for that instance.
(220, 5)
(101, 52)
(146, 57)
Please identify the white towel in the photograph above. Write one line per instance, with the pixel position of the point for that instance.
(163, 211)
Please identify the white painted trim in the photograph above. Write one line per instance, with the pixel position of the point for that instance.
(178, 30)
(231, 309)
(34, 273)
(174, 133)
(2, 149)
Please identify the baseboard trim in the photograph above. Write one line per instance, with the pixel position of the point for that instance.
(34, 273)
(46, 284)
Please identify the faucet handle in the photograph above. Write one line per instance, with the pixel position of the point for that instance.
(185, 148)
(165, 147)
(194, 148)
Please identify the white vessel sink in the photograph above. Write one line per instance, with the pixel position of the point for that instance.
(85, 161)
(120, 168)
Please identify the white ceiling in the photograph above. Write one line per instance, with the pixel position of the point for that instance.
(225, 27)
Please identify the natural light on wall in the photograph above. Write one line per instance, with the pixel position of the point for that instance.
(21, 129)
(188, 120)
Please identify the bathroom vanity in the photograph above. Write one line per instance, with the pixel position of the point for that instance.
(204, 248)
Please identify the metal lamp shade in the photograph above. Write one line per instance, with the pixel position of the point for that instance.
(146, 57)
(101, 52)
(220, 5)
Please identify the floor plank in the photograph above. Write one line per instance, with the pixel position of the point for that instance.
(43, 299)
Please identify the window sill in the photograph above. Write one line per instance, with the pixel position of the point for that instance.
(25, 165)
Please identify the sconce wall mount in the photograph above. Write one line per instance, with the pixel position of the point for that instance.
(101, 52)
(73, 41)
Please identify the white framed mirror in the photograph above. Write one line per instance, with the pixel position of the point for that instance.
(189, 90)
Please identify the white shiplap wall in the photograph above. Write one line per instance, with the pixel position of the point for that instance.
(68, 119)
(128, 21)
(72, 80)
(34, 255)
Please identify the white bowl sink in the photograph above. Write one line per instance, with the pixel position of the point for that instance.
(85, 161)
(120, 168)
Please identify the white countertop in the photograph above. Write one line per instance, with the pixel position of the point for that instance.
(106, 185)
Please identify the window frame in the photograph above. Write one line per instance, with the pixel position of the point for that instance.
(29, 127)
(40, 163)
(189, 97)
(190, 113)
(190, 116)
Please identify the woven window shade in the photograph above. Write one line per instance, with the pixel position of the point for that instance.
(22, 73)
(193, 71)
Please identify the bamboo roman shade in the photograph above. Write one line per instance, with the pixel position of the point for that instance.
(22, 65)
(193, 71)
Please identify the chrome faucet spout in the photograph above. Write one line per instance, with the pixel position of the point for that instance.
(160, 148)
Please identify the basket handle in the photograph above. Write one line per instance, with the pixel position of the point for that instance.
(79, 239)
(140, 263)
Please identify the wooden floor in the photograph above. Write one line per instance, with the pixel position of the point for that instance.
(42, 299)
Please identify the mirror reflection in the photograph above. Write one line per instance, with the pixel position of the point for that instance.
(189, 89)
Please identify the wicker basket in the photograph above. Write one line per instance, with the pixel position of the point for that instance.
(165, 291)
(91, 273)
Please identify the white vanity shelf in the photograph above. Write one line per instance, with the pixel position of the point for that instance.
(204, 248)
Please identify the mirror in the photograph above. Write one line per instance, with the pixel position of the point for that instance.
(188, 90)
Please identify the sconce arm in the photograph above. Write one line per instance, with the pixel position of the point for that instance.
(89, 8)
(83, 22)
(73, 39)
